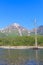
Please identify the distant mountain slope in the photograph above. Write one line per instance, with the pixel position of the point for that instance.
(15, 30)
(18, 30)
(2, 35)
(40, 30)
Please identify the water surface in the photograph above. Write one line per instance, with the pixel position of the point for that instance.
(21, 57)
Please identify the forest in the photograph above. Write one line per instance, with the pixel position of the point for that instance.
(21, 41)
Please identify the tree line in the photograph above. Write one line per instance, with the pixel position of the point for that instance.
(21, 41)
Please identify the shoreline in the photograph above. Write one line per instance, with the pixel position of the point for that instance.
(21, 47)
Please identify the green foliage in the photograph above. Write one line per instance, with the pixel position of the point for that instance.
(40, 40)
(21, 41)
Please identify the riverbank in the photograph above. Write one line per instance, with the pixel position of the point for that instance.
(20, 47)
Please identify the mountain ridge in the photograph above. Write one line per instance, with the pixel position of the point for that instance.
(16, 29)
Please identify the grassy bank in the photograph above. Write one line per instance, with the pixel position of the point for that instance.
(21, 41)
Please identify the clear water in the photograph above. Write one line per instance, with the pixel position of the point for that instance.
(21, 57)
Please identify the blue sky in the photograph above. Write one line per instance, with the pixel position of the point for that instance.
(21, 11)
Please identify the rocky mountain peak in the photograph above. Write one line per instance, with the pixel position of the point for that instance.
(15, 24)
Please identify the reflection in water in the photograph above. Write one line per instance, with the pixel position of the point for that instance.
(37, 57)
(31, 62)
(21, 57)
(35, 61)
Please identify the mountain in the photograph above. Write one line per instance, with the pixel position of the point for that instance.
(15, 30)
(18, 30)
(40, 30)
